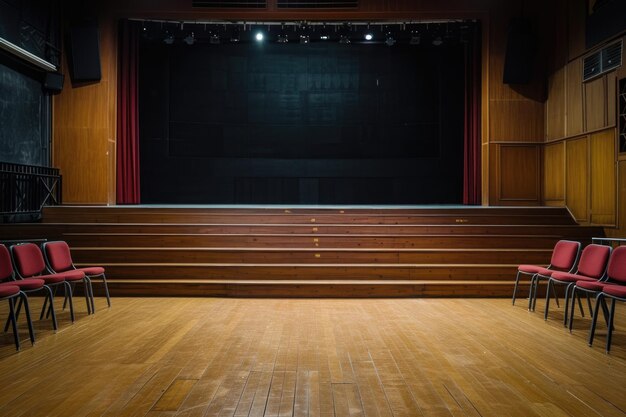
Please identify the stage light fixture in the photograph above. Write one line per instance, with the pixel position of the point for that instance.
(344, 40)
(369, 36)
(169, 38)
(190, 39)
(390, 40)
(324, 37)
(304, 39)
(259, 37)
(234, 36)
(416, 39)
(282, 38)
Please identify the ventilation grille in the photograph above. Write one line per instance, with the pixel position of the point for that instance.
(592, 66)
(317, 4)
(230, 4)
(602, 61)
(612, 56)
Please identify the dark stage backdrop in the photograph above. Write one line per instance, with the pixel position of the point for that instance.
(301, 124)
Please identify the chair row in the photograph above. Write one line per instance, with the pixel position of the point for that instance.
(598, 271)
(27, 268)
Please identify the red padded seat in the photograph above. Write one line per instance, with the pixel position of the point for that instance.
(26, 284)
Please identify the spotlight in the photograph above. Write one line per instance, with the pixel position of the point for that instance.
(324, 37)
(304, 38)
(390, 40)
(437, 41)
(214, 39)
(234, 36)
(415, 38)
(259, 37)
(344, 40)
(169, 38)
(369, 36)
(190, 39)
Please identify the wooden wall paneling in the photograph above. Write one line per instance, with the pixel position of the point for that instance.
(519, 173)
(555, 105)
(109, 54)
(603, 178)
(595, 104)
(577, 14)
(621, 202)
(84, 126)
(554, 174)
(494, 157)
(574, 99)
(611, 98)
(576, 177)
(516, 120)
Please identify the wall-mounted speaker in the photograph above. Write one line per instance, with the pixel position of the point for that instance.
(84, 53)
(53, 82)
(520, 53)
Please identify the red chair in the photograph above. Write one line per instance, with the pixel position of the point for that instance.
(7, 279)
(614, 288)
(59, 259)
(29, 263)
(591, 267)
(564, 257)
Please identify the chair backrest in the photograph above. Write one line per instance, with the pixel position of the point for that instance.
(617, 265)
(565, 255)
(593, 260)
(58, 256)
(28, 260)
(6, 268)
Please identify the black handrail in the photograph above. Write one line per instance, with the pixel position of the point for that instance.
(25, 189)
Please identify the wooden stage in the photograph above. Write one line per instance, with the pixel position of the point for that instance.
(214, 357)
(279, 251)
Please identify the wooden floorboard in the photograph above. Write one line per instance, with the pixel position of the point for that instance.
(313, 357)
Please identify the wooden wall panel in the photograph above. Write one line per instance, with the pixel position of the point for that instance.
(554, 174)
(516, 120)
(519, 172)
(620, 231)
(577, 177)
(603, 178)
(574, 98)
(555, 105)
(595, 104)
(611, 98)
(84, 128)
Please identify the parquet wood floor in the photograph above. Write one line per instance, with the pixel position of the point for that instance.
(313, 357)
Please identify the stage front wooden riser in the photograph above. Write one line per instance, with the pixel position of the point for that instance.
(304, 252)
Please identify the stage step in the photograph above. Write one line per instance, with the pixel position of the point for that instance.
(315, 288)
(308, 252)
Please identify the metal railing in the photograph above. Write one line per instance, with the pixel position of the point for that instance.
(25, 189)
(608, 241)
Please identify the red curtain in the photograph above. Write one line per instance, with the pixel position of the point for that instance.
(128, 115)
(471, 140)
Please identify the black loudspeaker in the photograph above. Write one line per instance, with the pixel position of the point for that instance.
(53, 82)
(520, 53)
(84, 53)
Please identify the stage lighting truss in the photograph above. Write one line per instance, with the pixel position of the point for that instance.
(390, 33)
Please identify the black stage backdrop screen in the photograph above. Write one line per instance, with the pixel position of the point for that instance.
(320, 123)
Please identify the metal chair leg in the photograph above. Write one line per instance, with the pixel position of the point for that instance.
(594, 320)
(566, 310)
(106, 291)
(547, 307)
(68, 295)
(16, 335)
(609, 335)
(29, 322)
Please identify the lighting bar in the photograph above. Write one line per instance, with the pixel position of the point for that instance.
(27, 56)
